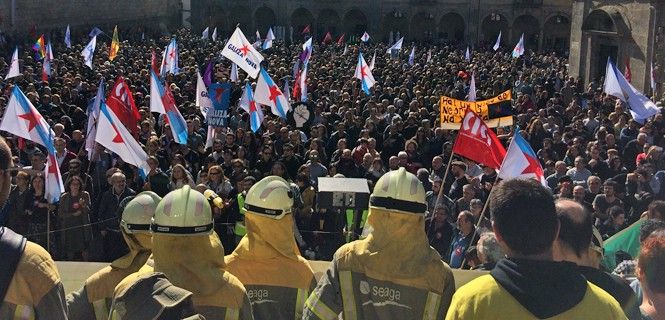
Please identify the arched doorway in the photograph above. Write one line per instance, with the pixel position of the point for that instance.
(394, 23)
(242, 16)
(300, 18)
(492, 25)
(218, 19)
(603, 31)
(422, 26)
(557, 34)
(265, 19)
(328, 22)
(530, 27)
(451, 28)
(355, 23)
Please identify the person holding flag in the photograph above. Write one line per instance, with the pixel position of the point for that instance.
(364, 74)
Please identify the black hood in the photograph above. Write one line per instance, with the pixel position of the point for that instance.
(545, 288)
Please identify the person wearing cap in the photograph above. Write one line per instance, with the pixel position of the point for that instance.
(191, 256)
(393, 273)
(580, 243)
(268, 250)
(93, 300)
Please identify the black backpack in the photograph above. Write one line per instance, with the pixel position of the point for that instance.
(11, 250)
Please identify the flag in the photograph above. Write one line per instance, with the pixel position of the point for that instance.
(296, 87)
(13, 66)
(89, 51)
(170, 59)
(429, 56)
(306, 51)
(22, 119)
(121, 101)
(115, 45)
(142, 36)
(40, 48)
(641, 108)
(519, 48)
(340, 40)
(95, 32)
(396, 46)
(214, 34)
(472, 87)
(364, 74)
(255, 111)
(153, 62)
(93, 116)
(627, 74)
(652, 79)
(498, 42)
(204, 34)
(240, 51)
(346, 49)
(328, 38)
(258, 36)
(305, 30)
(521, 162)
(365, 37)
(267, 43)
(467, 55)
(202, 99)
(267, 93)
(371, 63)
(68, 38)
(303, 84)
(478, 143)
(118, 140)
(162, 102)
(46, 64)
(287, 90)
(626, 240)
(412, 56)
(208, 73)
(234, 72)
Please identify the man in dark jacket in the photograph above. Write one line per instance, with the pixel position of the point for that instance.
(440, 231)
(107, 207)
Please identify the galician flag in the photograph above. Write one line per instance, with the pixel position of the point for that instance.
(498, 42)
(162, 102)
(371, 63)
(519, 48)
(114, 136)
(170, 59)
(240, 51)
(641, 108)
(267, 43)
(364, 74)
(412, 56)
(214, 34)
(22, 119)
(89, 51)
(396, 46)
(13, 67)
(255, 111)
(365, 37)
(68, 38)
(93, 116)
(521, 162)
(115, 45)
(268, 94)
(204, 34)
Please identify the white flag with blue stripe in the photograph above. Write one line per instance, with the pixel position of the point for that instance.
(268, 94)
(364, 74)
(89, 51)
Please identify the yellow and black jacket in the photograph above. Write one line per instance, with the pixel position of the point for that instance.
(529, 289)
(267, 262)
(391, 274)
(35, 291)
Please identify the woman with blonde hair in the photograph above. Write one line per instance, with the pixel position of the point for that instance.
(180, 177)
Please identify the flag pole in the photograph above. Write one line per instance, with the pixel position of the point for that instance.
(445, 175)
(482, 215)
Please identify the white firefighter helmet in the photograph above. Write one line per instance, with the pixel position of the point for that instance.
(271, 197)
(137, 212)
(399, 190)
(183, 212)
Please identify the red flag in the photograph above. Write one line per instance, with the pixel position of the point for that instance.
(328, 38)
(305, 30)
(340, 41)
(122, 103)
(478, 143)
(627, 73)
(153, 62)
(296, 87)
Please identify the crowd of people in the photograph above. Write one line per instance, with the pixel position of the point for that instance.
(590, 148)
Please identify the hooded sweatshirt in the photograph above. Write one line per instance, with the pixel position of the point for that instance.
(391, 274)
(268, 263)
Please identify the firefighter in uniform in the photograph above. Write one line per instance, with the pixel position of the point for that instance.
(393, 273)
(267, 260)
(187, 251)
(94, 299)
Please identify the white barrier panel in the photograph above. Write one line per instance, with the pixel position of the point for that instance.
(74, 274)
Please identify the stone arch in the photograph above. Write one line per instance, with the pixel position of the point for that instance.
(530, 27)
(599, 20)
(396, 23)
(556, 33)
(328, 21)
(242, 16)
(217, 18)
(604, 31)
(422, 26)
(300, 18)
(355, 23)
(452, 27)
(492, 24)
(264, 18)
